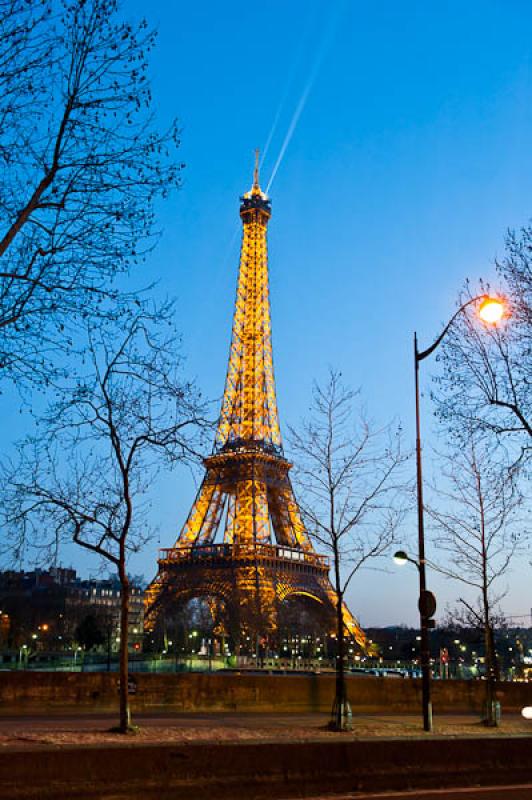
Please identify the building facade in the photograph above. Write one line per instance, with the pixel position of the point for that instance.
(45, 611)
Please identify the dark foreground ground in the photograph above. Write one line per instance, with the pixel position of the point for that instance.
(465, 793)
(264, 756)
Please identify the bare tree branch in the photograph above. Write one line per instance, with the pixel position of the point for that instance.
(352, 492)
(82, 166)
(87, 474)
(487, 370)
(478, 532)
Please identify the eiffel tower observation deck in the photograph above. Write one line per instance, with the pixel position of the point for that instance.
(244, 548)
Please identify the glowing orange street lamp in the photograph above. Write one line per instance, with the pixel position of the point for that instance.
(490, 310)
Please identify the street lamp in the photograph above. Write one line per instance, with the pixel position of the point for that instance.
(23, 656)
(427, 607)
(401, 558)
(490, 310)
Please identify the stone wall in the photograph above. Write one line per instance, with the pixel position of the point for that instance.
(264, 770)
(46, 692)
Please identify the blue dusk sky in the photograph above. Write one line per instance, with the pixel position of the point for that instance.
(410, 157)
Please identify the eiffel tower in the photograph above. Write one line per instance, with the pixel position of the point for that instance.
(244, 544)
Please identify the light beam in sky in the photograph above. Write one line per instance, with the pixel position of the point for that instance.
(291, 75)
(330, 30)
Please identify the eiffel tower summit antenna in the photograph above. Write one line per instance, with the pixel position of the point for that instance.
(244, 547)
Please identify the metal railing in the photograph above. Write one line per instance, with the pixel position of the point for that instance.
(209, 552)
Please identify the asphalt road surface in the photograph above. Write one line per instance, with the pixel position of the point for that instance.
(523, 792)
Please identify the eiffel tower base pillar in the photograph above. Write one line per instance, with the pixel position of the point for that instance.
(251, 591)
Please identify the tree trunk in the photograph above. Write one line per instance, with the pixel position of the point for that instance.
(340, 674)
(494, 661)
(490, 717)
(341, 712)
(108, 649)
(125, 711)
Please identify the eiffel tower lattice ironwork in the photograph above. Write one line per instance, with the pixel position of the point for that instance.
(244, 542)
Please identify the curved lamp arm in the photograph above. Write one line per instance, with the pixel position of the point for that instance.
(420, 355)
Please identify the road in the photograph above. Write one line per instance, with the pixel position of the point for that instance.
(523, 792)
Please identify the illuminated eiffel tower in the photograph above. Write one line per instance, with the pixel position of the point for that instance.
(244, 544)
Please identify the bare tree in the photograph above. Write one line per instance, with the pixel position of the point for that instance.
(487, 376)
(477, 527)
(25, 55)
(516, 269)
(87, 474)
(82, 166)
(351, 486)
(466, 620)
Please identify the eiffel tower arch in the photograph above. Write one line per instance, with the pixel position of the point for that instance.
(244, 544)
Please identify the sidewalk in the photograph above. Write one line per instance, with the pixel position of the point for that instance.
(234, 728)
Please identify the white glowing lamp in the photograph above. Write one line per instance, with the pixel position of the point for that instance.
(400, 557)
(527, 712)
(491, 310)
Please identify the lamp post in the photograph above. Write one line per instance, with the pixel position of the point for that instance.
(490, 310)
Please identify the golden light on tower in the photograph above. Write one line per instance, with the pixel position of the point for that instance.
(246, 498)
(491, 310)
